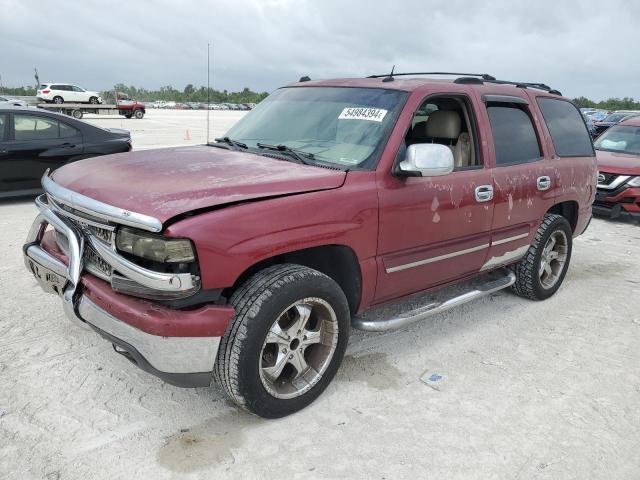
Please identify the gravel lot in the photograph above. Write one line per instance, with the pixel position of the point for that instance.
(545, 390)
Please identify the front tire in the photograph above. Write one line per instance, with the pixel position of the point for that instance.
(138, 114)
(542, 270)
(93, 100)
(285, 341)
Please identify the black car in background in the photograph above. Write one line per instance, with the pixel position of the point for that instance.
(33, 140)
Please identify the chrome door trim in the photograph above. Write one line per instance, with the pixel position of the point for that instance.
(509, 239)
(436, 259)
(543, 183)
(458, 253)
(98, 209)
(507, 257)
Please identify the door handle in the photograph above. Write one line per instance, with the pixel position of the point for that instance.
(484, 193)
(67, 145)
(4, 152)
(543, 183)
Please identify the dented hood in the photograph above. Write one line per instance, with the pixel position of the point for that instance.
(168, 182)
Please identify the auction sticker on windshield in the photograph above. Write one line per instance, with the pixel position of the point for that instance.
(360, 113)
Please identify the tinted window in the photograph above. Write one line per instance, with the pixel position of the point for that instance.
(33, 127)
(57, 87)
(567, 129)
(77, 89)
(68, 131)
(3, 123)
(514, 138)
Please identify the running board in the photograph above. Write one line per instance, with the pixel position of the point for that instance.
(416, 308)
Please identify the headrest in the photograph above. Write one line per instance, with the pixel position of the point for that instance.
(443, 124)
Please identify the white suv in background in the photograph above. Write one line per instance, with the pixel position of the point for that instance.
(65, 92)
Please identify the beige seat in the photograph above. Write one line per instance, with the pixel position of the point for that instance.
(462, 151)
(443, 126)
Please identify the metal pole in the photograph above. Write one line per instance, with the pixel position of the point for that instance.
(208, 94)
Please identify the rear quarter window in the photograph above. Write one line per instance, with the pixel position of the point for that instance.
(68, 131)
(567, 128)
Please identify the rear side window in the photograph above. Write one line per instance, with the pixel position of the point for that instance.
(568, 131)
(34, 127)
(514, 137)
(68, 131)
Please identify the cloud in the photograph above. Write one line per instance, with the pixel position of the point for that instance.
(578, 47)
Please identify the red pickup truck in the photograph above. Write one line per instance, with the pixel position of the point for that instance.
(248, 260)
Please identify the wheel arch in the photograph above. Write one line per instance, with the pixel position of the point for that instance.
(569, 210)
(338, 262)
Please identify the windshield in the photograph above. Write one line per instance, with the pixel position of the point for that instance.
(615, 117)
(624, 139)
(338, 125)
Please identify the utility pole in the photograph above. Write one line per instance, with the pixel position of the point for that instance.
(208, 91)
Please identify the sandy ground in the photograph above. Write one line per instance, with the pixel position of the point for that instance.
(512, 389)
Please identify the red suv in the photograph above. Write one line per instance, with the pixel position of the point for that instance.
(618, 153)
(248, 260)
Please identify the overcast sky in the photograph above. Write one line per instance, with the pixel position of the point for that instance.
(579, 47)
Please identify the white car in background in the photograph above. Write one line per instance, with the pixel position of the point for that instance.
(6, 101)
(65, 92)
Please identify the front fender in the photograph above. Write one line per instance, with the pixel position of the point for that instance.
(231, 239)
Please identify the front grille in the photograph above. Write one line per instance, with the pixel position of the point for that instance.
(86, 224)
(104, 234)
(606, 178)
(95, 264)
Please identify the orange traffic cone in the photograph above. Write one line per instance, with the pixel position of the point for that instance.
(186, 134)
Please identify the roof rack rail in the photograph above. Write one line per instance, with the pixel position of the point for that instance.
(537, 86)
(471, 78)
(484, 76)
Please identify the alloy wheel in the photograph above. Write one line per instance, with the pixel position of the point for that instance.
(298, 348)
(553, 259)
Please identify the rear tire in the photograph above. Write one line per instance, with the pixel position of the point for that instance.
(542, 270)
(58, 99)
(285, 342)
(77, 114)
(128, 115)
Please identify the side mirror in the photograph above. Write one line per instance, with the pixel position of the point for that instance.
(427, 160)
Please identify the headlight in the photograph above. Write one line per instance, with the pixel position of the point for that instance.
(155, 247)
(634, 182)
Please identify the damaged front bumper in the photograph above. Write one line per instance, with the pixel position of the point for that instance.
(179, 346)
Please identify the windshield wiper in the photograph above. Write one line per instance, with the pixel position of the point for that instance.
(230, 143)
(296, 154)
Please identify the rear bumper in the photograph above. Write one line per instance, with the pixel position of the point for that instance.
(178, 346)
